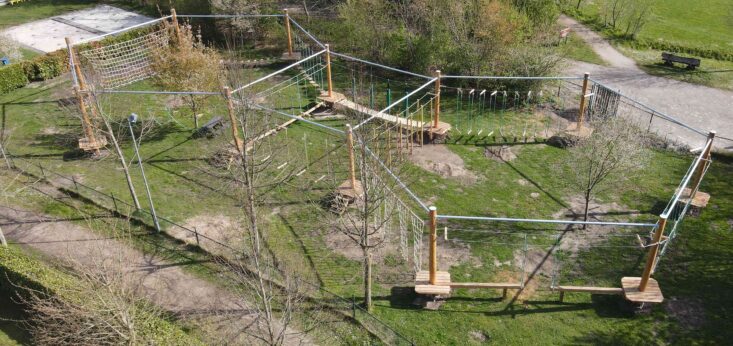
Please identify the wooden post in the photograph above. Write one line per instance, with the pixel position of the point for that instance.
(233, 120)
(290, 37)
(653, 250)
(77, 69)
(174, 18)
(583, 101)
(86, 123)
(437, 99)
(433, 215)
(697, 178)
(350, 148)
(328, 70)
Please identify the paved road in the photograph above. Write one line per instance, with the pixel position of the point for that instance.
(699, 106)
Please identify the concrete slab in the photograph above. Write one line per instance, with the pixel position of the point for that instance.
(47, 35)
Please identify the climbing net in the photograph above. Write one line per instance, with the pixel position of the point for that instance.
(119, 64)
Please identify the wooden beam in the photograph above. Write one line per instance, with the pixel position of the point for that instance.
(233, 120)
(328, 70)
(350, 148)
(174, 18)
(590, 289)
(86, 123)
(583, 100)
(436, 104)
(652, 256)
(433, 217)
(290, 37)
(697, 178)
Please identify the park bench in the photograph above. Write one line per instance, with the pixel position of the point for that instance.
(670, 59)
(210, 129)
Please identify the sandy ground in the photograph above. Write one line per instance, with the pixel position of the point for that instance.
(47, 35)
(439, 159)
(699, 106)
(222, 314)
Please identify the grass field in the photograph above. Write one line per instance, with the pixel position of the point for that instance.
(701, 24)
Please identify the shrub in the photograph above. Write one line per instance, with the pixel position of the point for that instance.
(12, 77)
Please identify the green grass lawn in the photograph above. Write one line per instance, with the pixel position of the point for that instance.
(576, 49)
(28, 11)
(702, 24)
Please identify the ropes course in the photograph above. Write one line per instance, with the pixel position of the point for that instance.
(393, 111)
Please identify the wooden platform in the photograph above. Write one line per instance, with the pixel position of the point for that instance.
(423, 286)
(345, 190)
(652, 293)
(700, 201)
(339, 102)
(100, 143)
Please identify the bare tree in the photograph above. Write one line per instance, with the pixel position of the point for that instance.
(101, 307)
(187, 65)
(9, 48)
(637, 16)
(605, 159)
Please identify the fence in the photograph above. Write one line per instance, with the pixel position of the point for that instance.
(347, 308)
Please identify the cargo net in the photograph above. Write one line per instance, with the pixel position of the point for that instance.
(125, 62)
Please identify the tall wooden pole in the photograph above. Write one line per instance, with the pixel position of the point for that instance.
(86, 123)
(77, 69)
(328, 70)
(437, 99)
(352, 163)
(697, 178)
(653, 250)
(290, 37)
(233, 120)
(583, 100)
(433, 215)
(174, 18)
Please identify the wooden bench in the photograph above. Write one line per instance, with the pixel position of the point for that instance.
(210, 129)
(587, 289)
(670, 59)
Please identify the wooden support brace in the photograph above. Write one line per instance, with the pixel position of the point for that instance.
(433, 217)
(350, 148)
(290, 37)
(652, 256)
(174, 18)
(233, 120)
(328, 70)
(581, 116)
(436, 102)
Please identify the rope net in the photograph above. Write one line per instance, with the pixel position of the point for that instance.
(126, 62)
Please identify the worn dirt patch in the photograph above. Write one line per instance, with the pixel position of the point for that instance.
(437, 158)
(221, 228)
(450, 253)
(577, 238)
(689, 312)
(478, 336)
(538, 267)
(503, 153)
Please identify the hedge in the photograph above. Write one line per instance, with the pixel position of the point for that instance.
(40, 68)
(12, 77)
(19, 270)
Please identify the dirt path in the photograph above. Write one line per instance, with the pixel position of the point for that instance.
(223, 315)
(699, 106)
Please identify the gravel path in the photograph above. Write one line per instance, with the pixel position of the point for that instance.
(220, 314)
(699, 106)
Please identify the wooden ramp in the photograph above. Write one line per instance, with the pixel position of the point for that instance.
(340, 102)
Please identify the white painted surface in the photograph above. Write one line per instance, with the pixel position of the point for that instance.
(47, 35)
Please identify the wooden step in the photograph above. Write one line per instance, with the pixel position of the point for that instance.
(590, 289)
(432, 290)
(495, 285)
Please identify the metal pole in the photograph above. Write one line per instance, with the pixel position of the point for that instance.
(145, 180)
(432, 213)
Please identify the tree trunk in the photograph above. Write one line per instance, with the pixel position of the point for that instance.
(577, 6)
(368, 280)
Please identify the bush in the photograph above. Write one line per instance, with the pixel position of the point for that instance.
(12, 77)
